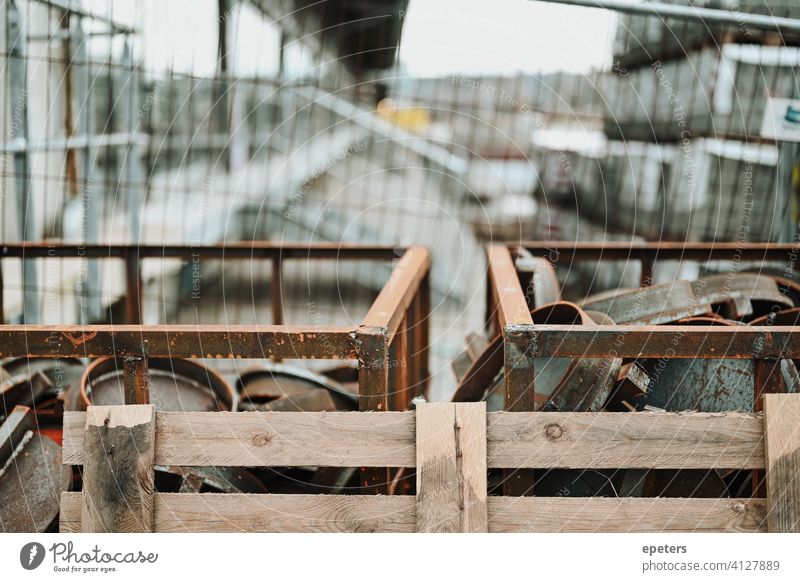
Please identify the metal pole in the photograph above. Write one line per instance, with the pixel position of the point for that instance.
(681, 12)
(133, 156)
(18, 83)
(89, 307)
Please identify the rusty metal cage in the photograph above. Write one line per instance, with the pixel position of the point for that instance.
(390, 343)
(510, 299)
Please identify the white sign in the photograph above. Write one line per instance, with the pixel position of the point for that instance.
(782, 120)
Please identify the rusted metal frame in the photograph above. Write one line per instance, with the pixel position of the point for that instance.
(513, 320)
(237, 250)
(567, 251)
(381, 349)
(137, 380)
(424, 330)
(373, 393)
(418, 332)
(654, 341)
(394, 299)
(179, 341)
(277, 291)
(133, 287)
(398, 398)
(2, 296)
(508, 296)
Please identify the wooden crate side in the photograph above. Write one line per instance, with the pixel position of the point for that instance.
(264, 439)
(596, 514)
(611, 440)
(239, 512)
(782, 420)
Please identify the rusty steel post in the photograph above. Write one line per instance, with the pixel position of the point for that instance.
(137, 380)
(133, 287)
(373, 389)
(515, 323)
(277, 290)
(398, 398)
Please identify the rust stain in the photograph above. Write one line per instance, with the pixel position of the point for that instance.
(81, 339)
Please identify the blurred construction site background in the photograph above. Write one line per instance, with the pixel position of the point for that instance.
(438, 123)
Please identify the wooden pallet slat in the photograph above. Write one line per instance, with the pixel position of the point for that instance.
(782, 431)
(625, 515)
(270, 439)
(118, 479)
(451, 467)
(612, 440)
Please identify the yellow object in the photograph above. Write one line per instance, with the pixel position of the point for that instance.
(411, 118)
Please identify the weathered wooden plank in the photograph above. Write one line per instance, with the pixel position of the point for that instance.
(612, 440)
(597, 514)
(515, 440)
(118, 469)
(451, 467)
(213, 512)
(263, 439)
(782, 423)
(187, 512)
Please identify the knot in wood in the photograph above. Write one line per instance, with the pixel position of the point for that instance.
(553, 432)
(260, 440)
(739, 507)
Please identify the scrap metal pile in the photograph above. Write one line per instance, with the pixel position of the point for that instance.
(35, 392)
(711, 385)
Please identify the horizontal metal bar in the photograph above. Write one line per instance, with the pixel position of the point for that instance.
(665, 341)
(238, 250)
(75, 143)
(178, 341)
(567, 251)
(77, 10)
(681, 12)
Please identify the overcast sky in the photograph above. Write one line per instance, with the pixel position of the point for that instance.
(446, 36)
(440, 37)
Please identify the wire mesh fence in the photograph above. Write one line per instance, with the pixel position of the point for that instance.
(105, 139)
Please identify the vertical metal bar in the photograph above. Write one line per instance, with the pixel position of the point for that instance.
(137, 380)
(424, 325)
(89, 291)
(373, 386)
(18, 83)
(277, 290)
(133, 287)
(2, 289)
(398, 369)
(788, 152)
(648, 264)
(519, 394)
(133, 158)
(413, 346)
